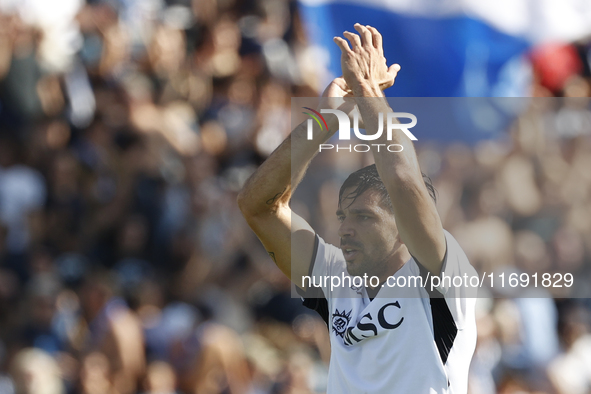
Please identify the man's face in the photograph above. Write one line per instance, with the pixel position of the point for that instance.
(369, 236)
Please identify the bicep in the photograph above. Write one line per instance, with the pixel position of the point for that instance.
(288, 239)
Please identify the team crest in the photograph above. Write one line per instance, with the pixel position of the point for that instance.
(340, 321)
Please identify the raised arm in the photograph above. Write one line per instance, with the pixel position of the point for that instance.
(418, 222)
(264, 200)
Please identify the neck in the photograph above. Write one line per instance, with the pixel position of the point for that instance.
(398, 259)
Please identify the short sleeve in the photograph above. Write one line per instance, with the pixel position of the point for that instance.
(459, 299)
(327, 261)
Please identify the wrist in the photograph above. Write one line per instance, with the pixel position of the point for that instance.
(332, 122)
(319, 134)
(333, 126)
(367, 89)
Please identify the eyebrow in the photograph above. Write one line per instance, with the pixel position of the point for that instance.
(356, 211)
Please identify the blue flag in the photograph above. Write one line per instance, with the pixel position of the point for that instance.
(456, 48)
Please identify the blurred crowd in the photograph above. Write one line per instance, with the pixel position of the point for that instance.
(127, 128)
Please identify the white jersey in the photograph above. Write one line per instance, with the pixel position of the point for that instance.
(393, 344)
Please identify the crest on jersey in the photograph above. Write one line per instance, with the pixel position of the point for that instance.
(340, 321)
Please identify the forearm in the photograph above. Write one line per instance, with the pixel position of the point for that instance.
(418, 223)
(396, 164)
(273, 183)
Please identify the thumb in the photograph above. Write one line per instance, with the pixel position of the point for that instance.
(393, 70)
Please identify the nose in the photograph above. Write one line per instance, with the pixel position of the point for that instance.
(346, 229)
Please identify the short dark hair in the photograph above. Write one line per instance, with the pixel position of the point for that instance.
(368, 178)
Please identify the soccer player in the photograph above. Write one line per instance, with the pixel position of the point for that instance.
(382, 341)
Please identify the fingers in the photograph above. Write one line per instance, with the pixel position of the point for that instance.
(364, 52)
(366, 35)
(343, 44)
(354, 39)
(377, 38)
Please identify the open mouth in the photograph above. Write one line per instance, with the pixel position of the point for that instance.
(350, 253)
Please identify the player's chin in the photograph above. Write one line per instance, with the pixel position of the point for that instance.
(354, 268)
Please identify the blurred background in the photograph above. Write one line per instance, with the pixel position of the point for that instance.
(127, 128)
